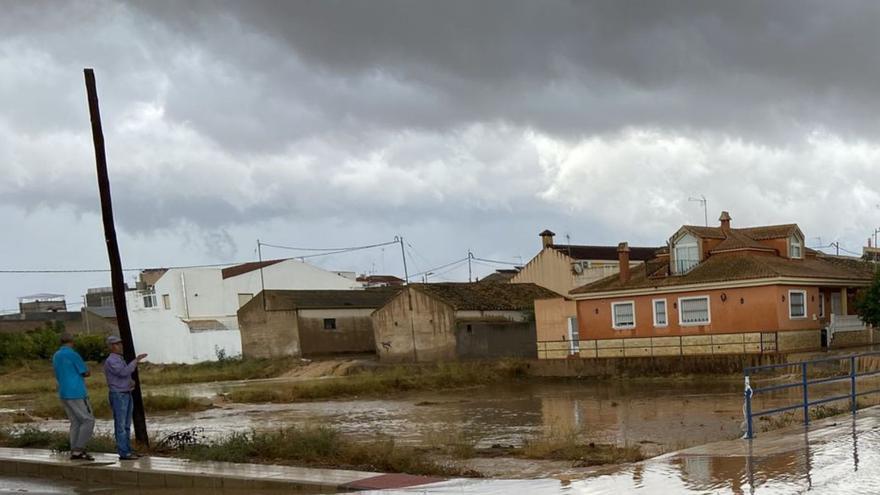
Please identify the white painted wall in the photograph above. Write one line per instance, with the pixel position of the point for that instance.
(203, 294)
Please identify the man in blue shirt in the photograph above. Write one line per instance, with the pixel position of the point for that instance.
(70, 373)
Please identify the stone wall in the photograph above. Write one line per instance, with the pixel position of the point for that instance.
(799, 340)
(853, 338)
(650, 366)
(687, 345)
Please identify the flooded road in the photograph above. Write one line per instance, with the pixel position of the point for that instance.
(658, 415)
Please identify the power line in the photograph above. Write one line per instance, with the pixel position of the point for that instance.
(496, 261)
(107, 270)
(340, 249)
(439, 267)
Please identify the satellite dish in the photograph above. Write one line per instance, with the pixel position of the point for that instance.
(578, 268)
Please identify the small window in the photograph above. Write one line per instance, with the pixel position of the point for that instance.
(795, 247)
(150, 301)
(329, 323)
(797, 304)
(660, 313)
(470, 329)
(166, 301)
(106, 301)
(694, 311)
(623, 315)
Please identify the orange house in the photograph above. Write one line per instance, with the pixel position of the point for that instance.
(724, 282)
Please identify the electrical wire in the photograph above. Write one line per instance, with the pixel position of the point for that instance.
(212, 265)
(107, 270)
(340, 249)
(497, 262)
(439, 267)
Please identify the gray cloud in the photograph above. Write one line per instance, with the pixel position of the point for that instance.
(459, 124)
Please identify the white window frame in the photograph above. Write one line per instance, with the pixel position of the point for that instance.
(795, 241)
(708, 321)
(821, 305)
(665, 311)
(614, 324)
(686, 242)
(150, 301)
(806, 312)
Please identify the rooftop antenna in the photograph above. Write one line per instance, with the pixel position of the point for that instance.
(705, 204)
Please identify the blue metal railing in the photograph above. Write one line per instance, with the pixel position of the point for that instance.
(804, 383)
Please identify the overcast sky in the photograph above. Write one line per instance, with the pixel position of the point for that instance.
(457, 124)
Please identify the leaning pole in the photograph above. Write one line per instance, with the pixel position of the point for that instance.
(118, 281)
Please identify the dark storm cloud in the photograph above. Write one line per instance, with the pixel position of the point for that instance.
(459, 123)
(762, 70)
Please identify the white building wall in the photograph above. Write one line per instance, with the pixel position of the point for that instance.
(287, 275)
(203, 294)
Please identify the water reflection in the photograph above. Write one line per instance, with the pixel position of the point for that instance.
(823, 461)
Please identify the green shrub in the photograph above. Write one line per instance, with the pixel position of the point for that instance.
(41, 343)
(91, 347)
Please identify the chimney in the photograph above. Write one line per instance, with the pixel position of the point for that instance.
(623, 260)
(546, 238)
(725, 222)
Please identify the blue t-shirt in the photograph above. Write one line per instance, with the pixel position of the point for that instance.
(69, 368)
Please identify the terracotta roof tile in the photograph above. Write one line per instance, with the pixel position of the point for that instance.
(234, 271)
(737, 239)
(740, 266)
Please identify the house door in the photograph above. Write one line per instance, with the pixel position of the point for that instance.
(835, 303)
(574, 339)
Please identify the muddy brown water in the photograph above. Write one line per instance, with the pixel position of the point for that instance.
(659, 415)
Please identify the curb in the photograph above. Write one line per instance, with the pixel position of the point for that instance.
(164, 472)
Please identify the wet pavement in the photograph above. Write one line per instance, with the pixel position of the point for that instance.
(35, 486)
(839, 455)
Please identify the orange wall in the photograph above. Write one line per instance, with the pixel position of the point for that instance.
(551, 318)
(761, 309)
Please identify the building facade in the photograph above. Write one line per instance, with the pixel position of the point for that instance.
(310, 322)
(190, 315)
(564, 267)
(448, 321)
(721, 289)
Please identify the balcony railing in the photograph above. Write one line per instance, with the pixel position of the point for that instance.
(684, 266)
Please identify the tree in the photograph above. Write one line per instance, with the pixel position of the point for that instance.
(868, 302)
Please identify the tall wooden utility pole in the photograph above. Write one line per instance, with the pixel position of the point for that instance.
(118, 282)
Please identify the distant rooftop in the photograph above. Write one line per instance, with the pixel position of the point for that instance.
(43, 296)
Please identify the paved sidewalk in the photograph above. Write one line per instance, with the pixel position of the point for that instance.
(158, 472)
